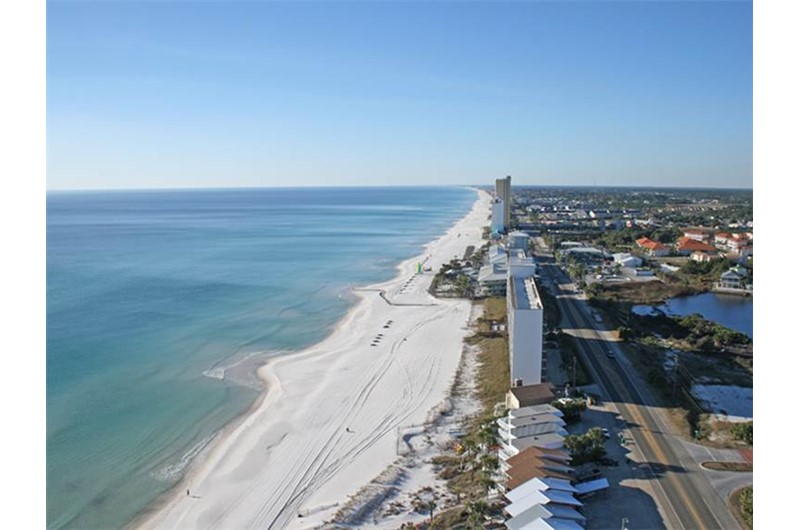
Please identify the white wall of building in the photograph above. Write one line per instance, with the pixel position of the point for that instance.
(498, 224)
(525, 334)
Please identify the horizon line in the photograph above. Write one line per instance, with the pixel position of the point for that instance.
(386, 186)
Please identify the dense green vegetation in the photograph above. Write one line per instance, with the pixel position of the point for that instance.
(692, 332)
(743, 432)
(587, 447)
(571, 408)
(745, 505)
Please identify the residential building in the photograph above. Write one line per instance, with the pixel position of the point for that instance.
(586, 255)
(518, 239)
(627, 260)
(535, 410)
(733, 278)
(511, 448)
(545, 497)
(698, 234)
(549, 512)
(525, 338)
(493, 279)
(520, 264)
(529, 395)
(687, 245)
(502, 189)
(498, 216)
(703, 257)
(652, 248)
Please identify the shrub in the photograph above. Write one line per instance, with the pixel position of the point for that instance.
(743, 432)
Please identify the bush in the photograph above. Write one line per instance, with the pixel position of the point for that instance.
(743, 432)
(571, 408)
(746, 505)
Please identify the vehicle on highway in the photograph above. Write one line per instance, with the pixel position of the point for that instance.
(609, 353)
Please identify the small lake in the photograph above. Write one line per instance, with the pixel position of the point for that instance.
(735, 312)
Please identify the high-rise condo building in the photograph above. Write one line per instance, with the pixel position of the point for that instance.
(502, 188)
(525, 322)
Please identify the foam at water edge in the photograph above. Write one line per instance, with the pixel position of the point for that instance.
(171, 472)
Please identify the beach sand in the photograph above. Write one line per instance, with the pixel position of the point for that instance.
(328, 422)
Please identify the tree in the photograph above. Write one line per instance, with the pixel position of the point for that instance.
(571, 408)
(743, 432)
(586, 447)
(476, 510)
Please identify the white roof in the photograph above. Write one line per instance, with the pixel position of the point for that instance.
(539, 484)
(540, 511)
(547, 441)
(582, 250)
(535, 429)
(493, 273)
(517, 233)
(533, 410)
(532, 420)
(541, 497)
(552, 523)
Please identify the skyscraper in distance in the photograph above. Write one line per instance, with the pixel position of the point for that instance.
(502, 188)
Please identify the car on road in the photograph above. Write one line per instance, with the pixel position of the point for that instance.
(609, 462)
(609, 353)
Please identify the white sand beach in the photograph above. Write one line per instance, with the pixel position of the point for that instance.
(329, 420)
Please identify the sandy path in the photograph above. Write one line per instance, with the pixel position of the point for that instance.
(328, 423)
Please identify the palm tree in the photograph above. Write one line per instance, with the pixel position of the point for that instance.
(476, 510)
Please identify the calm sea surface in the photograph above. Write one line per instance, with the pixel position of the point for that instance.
(735, 312)
(152, 294)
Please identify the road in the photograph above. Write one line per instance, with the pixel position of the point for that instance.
(684, 494)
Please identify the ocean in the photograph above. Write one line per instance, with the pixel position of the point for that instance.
(154, 296)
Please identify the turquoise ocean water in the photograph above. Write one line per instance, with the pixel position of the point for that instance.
(150, 294)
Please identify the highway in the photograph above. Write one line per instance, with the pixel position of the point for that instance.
(684, 495)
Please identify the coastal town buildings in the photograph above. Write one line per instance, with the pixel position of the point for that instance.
(525, 320)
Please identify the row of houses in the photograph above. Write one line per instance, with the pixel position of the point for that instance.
(534, 475)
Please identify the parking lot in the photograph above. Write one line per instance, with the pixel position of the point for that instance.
(629, 496)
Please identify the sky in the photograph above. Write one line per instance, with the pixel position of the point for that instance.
(206, 94)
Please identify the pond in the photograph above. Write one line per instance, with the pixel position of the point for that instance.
(735, 312)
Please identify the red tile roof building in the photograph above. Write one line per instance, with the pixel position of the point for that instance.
(687, 245)
(652, 248)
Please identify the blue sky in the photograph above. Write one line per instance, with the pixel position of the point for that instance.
(194, 94)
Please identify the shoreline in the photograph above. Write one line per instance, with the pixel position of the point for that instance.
(232, 449)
